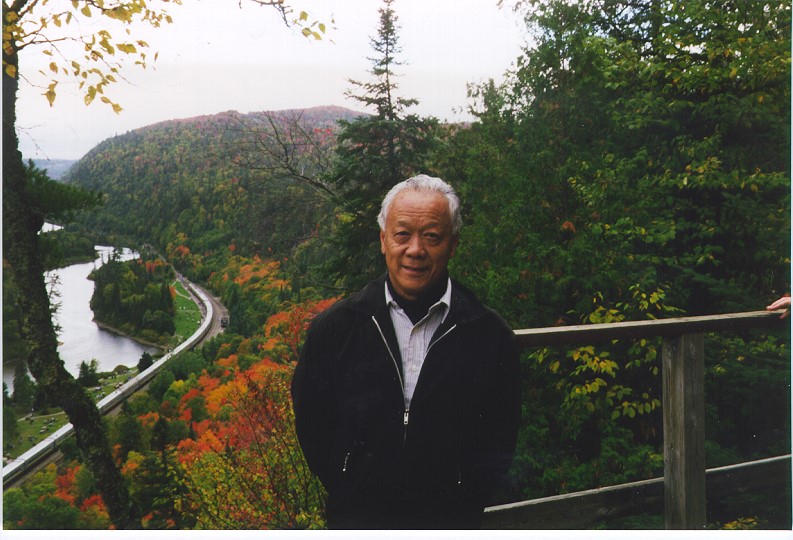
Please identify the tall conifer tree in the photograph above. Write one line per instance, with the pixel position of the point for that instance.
(375, 152)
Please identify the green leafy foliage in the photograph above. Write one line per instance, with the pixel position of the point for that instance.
(135, 296)
(56, 201)
(617, 175)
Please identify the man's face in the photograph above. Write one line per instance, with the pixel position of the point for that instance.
(417, 241)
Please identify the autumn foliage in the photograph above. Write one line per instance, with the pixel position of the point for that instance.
(218, 449)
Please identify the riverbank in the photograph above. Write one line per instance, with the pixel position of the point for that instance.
(63, 263)
(122, 333)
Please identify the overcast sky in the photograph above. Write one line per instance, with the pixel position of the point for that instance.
(213, 60)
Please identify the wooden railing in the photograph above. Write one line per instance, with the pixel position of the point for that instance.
(685, 483)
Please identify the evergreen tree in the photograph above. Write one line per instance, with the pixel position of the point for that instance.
(87, 375)
(24, 388)
(145, 362)
(374, 153)
(10, 428)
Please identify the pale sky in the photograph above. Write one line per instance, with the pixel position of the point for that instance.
(214, 59)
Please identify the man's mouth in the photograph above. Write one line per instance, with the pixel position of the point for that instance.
(414, 269)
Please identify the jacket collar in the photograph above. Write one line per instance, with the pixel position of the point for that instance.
(464, 306)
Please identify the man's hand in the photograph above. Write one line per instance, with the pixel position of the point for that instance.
(782, 303)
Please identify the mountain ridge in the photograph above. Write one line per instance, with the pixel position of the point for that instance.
(212, 183)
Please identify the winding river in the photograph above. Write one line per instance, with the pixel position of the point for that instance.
(80, 338)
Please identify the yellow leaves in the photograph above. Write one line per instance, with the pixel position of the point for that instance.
(120, 13)
(115, 106)
(309, 30)
(105, 43)
(90, 95)
(127, 48)
(22, 28)
(50, 93)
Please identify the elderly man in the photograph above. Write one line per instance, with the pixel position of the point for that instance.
(406, 394)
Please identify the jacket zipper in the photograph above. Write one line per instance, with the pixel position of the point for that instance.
(446, 333)
(406, 412)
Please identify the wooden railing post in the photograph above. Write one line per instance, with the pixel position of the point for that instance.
(684, 431)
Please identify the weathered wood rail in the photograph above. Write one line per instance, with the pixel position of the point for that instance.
(682, 490)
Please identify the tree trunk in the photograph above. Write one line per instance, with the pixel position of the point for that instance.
(22, 221)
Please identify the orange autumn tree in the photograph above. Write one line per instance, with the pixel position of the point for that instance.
(243, 467)
(247, 471)
(285, 331)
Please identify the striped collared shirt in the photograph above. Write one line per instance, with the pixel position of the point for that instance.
(414, 340)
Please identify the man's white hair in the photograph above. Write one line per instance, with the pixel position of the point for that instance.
(424, 184)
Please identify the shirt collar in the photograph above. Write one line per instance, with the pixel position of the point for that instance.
(446, 299)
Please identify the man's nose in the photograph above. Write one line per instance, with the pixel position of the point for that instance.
(415, 246)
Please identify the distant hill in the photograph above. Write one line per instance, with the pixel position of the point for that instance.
(216, 183)
(56, 168)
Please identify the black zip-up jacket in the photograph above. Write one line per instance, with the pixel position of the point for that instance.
(434, 466)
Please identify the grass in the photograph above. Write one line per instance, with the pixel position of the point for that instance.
(188, 314)
(36, 427)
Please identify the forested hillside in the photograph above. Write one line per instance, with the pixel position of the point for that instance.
(635, 165)
(225, 182)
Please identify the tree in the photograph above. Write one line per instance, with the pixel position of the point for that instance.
(24, 389)
(24, 211)
(145, 362)
(10, 428)
(687, 105)
(618, 175)
(88, 375)
(374, 153)
(247, 472)
(28, 195)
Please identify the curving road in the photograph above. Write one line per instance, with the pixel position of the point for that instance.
(219, 312)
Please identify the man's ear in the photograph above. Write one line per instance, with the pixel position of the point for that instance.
(454, 241)
(382, 241)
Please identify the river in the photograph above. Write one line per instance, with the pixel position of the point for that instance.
(80, 339)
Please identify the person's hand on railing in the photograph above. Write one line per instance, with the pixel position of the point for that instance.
(783, 302)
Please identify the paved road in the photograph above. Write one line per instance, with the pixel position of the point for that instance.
(219, 312)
